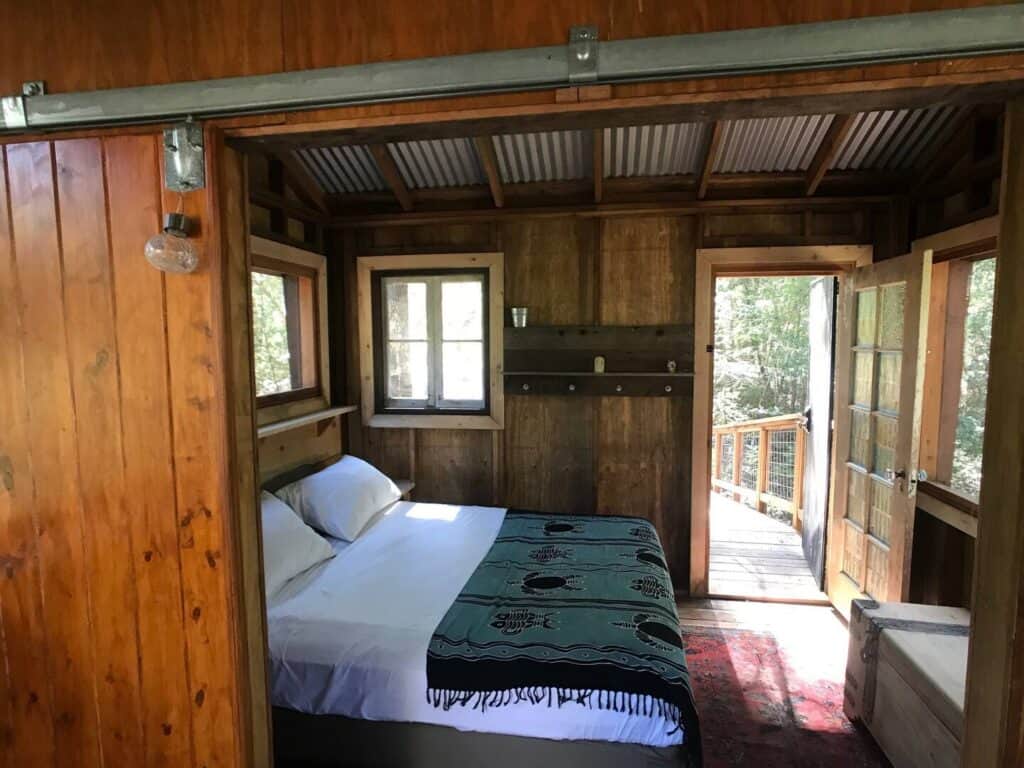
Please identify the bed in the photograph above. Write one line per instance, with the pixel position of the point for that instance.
(432, 635)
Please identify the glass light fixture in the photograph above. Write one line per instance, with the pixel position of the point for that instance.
(171, 250)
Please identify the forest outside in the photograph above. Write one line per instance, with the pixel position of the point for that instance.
(762, 349)
(970, 426)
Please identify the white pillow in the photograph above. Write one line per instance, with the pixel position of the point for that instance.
(289, 545)
(341, 499)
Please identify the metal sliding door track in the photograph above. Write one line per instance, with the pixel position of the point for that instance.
(825, 45)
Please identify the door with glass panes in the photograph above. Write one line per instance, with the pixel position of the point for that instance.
(879, 355)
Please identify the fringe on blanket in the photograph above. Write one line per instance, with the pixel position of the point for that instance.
(616, 701)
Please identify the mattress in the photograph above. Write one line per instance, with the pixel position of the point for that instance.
(350, 636)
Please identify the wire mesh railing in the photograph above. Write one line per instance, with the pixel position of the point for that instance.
(760, 463)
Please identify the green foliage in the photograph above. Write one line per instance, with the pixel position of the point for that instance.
(270, 334)
(970, 427)
(762, 347)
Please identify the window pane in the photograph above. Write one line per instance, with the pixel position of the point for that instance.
(463, 370)
(885, 445)
(890, 331)
(406, 309)
(889, 381)
(866, 318)
(462, 310)
(970, 427)
(408, 371)
(860, 439)
(272, 361)
(863, 378)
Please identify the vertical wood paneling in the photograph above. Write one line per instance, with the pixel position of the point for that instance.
(198, 419)
(134, 213)
(565, 454)
(453, 466)
(549, 454)
(26, 733)
(93, 361)
(120, 606)
(646, 269)
(54, 455)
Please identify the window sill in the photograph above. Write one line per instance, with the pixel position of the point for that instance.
(433, 421)
(949, 506)
(302, 421)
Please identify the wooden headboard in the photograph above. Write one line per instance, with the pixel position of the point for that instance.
(277, 482)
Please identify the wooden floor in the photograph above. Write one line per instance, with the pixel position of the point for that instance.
(757, 557)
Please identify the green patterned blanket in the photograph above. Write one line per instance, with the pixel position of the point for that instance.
(566, 609)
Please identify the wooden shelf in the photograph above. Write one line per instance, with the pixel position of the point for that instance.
(302, 421)
(606, 374)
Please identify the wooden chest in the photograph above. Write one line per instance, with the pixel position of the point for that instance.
(905, 680)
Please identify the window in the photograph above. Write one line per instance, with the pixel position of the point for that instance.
(433, 342)
(955, 383)
(970, 425)
(430, 333)
(286, 309)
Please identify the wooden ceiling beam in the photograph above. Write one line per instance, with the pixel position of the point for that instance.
(623, 112)
(707, 165)
(393, 176)
(598, 164)
(298, 177)
(827, 151)
(587, 210)
(489, 161)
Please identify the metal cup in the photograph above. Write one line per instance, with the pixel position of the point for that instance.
(519, 317)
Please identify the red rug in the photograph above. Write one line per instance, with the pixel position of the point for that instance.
(765, 705)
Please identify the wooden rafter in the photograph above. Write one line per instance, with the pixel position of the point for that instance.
(711, 148)
(301, 181)
(827, 151)
(598, 164)
(489, 161)
(393, 176)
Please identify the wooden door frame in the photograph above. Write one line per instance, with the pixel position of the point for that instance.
(712, 263)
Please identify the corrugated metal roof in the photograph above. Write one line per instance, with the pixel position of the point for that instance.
(438, 163)
(894, 139)
(343, 170)
(897, 140)
(654, 150)
(552, 156)
(766, 145)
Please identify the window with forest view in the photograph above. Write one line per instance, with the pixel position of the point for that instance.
(285, 344)
(970, 425)
(432, 340)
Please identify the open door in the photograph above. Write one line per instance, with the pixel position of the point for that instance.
(879, 354)
(818, 425)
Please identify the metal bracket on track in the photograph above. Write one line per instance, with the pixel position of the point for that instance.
(13, 111)
(184, 158)
(583, 47)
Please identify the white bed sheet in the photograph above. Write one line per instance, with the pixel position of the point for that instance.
(350, 636)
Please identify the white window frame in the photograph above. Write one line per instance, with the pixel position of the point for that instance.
(435, 340)
(493, 417)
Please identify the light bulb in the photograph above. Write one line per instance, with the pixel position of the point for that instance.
(171, 250)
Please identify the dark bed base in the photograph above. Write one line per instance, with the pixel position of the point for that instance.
(332, 741)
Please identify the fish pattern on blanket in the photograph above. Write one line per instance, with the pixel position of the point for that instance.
(566, 609)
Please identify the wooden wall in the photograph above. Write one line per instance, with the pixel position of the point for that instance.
(575, 454)
(118, 605)
(119, 43)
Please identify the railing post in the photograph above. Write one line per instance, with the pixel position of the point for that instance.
(798, 478)
(737, 462)
(763, 446)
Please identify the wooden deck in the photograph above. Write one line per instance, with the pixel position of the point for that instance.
(757, 557)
